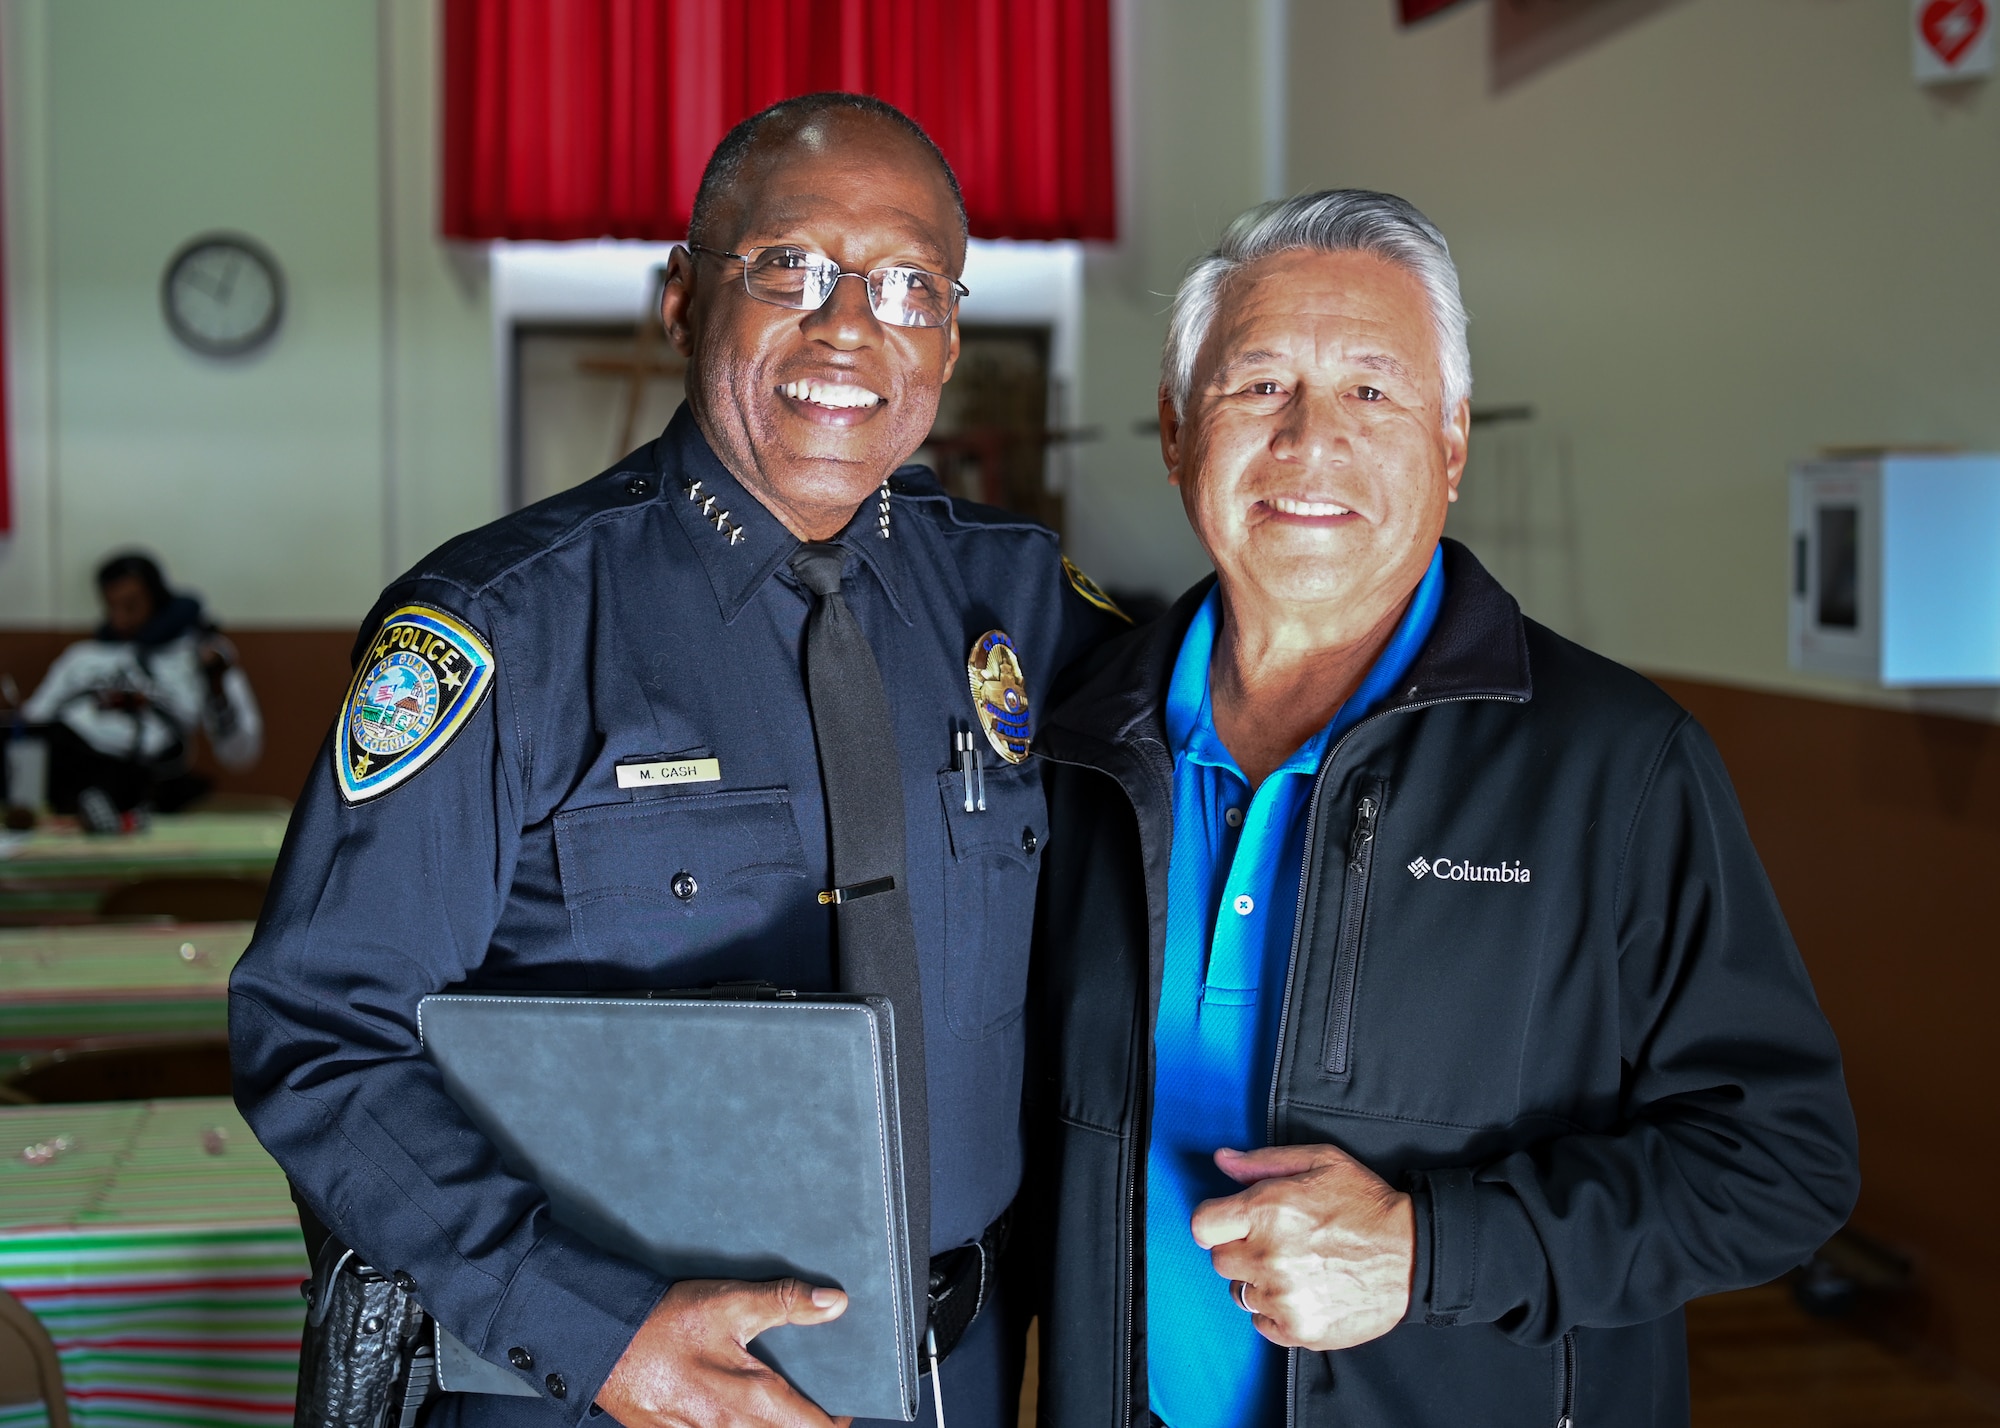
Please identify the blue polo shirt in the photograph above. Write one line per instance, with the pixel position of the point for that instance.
(1232, 902)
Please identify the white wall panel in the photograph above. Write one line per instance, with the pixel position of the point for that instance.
(259, 479)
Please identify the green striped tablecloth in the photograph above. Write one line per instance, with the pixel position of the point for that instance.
(59, 869)
(62, 984)
(156, 1242)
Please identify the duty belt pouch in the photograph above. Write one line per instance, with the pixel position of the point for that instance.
(367, 1359)
(961, 1282)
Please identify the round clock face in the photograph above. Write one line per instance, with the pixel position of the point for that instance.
(223, 295)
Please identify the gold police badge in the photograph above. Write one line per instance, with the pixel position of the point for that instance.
(417, 685)
(1000, 694)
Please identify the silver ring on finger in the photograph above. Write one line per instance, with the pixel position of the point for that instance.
(1236, 1288)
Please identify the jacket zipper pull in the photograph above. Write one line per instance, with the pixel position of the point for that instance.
(1364, 832)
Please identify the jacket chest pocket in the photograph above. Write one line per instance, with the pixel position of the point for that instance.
(1427, 973)
(662, 881)
(991, 864)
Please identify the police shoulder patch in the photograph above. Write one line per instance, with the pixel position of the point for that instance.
(417, 685)
(1091, 591)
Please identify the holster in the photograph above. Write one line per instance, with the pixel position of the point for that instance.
(368, 1358)
(962, 1280)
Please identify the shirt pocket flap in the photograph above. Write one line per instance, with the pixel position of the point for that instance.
(1014, 825)
(635, 851)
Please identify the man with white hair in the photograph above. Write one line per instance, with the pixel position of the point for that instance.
(1417, 1031)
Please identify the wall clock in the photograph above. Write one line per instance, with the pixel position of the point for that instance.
(223, 294)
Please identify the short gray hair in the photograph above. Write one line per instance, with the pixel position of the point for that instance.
(1343, 220)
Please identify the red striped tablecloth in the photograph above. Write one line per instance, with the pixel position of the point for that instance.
(60, 873)
(156, 1242)
(59, 985)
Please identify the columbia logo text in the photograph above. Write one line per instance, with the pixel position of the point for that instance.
(1505, 871)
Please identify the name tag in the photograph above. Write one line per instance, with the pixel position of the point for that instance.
(662, 772)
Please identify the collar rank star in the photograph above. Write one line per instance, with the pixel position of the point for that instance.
(717, 518)
(1000, 694)
(417, 685)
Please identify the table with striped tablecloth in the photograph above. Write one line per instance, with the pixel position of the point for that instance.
(156, 1243)
(58, 870)
(60, 985)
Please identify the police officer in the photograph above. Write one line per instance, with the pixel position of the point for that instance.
(579, 753)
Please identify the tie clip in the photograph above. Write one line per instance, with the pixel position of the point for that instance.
(834, 897)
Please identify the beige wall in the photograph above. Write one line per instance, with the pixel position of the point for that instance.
(445, 468)
(1714, 242)
(1711, 244)
(1194, 151)
(288, 485)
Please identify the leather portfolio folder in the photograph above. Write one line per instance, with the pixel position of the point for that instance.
(713, 1138)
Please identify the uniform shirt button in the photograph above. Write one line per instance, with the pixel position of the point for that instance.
(639, 486)
(404, 1282)
(557, 1388)
(520, 1358)
(1233, 817)
(684, 885)
(1028, 840)
(1245, 904)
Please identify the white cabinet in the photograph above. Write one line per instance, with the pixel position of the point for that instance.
(1895, 574)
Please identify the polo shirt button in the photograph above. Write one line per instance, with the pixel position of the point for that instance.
(1233, 817)
(1245, 904)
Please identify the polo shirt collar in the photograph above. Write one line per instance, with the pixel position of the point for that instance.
(1190, 710)
(710, 504)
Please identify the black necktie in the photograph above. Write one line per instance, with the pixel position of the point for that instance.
(874, 938)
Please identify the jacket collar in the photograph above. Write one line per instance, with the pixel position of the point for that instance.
(739, 543)
(1477, 650)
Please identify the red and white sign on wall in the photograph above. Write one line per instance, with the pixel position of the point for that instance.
(1951, 40)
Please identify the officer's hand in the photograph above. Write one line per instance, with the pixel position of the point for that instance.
(687, 1367)
(1324, 1246)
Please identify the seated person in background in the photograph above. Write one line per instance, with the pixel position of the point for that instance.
(120, 710)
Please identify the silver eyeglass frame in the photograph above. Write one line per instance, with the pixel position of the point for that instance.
(958, 290)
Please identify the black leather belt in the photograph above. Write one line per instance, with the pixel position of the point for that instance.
(962, 1281)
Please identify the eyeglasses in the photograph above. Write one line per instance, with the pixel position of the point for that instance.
(785, 276)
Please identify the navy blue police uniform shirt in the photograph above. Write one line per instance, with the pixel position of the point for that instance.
(629, 622)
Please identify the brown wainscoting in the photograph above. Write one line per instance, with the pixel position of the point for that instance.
(1756, 1361)
(1881, 832)
(300, 677)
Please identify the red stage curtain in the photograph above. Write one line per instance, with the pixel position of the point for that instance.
(593, 118)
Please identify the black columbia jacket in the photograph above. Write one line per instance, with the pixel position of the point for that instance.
(1538, 979)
